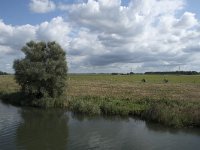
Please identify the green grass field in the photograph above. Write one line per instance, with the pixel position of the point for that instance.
(126, 86)
(137, 78)
(176, 103)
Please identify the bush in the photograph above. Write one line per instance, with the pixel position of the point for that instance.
(84, 106)
(165, 80)
(42, 72)
(143, 80)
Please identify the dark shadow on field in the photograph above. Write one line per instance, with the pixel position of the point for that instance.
(42, 129)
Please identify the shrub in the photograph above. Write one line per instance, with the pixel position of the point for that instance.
(165, 80)
(42, 72)
(84, 106)
(143, 80)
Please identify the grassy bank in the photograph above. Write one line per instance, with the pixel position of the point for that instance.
(176, 103)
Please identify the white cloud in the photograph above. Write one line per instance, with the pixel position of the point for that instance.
(15, 36)
(42, 6)
(187, 20)
(144, 32)
(55, 30)
(104, 36)
(5, 49)
(12, 38)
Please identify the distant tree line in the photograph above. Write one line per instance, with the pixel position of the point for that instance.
(175, 73)
(3, 73)
(162, 73)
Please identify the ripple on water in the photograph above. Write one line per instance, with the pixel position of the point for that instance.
(9, 122)
(51, 129)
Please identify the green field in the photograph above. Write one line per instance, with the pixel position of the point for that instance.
(137, 78)
(126, 86)
(176, 103)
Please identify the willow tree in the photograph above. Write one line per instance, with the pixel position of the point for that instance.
(43, 70)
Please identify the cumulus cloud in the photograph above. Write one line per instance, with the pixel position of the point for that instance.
(42, 6)
(12, 38)
(144, 32)
(16, 36)
(187, 20)
(106, 36)
(55, 30)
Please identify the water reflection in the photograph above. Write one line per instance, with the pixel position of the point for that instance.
(9, 121)
(108, 133)
(37, 129)
(163, 129)
(82, 117)
(127, 133)
(42, 129)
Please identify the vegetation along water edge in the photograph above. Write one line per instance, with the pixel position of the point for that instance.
(174, 103)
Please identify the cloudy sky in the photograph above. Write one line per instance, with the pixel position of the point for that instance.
(106, 35)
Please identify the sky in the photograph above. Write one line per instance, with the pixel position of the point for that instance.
(104, 36)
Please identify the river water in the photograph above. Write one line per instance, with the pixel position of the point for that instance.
(37, 129)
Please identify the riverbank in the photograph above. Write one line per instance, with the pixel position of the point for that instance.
(176, 103)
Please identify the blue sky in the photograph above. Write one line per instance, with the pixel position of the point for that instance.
(106, 35)
(17, 12)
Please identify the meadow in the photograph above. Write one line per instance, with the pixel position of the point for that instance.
(173, 103)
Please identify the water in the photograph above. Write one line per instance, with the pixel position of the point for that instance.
(37, 129)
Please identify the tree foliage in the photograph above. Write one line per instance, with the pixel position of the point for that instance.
(43, 70)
